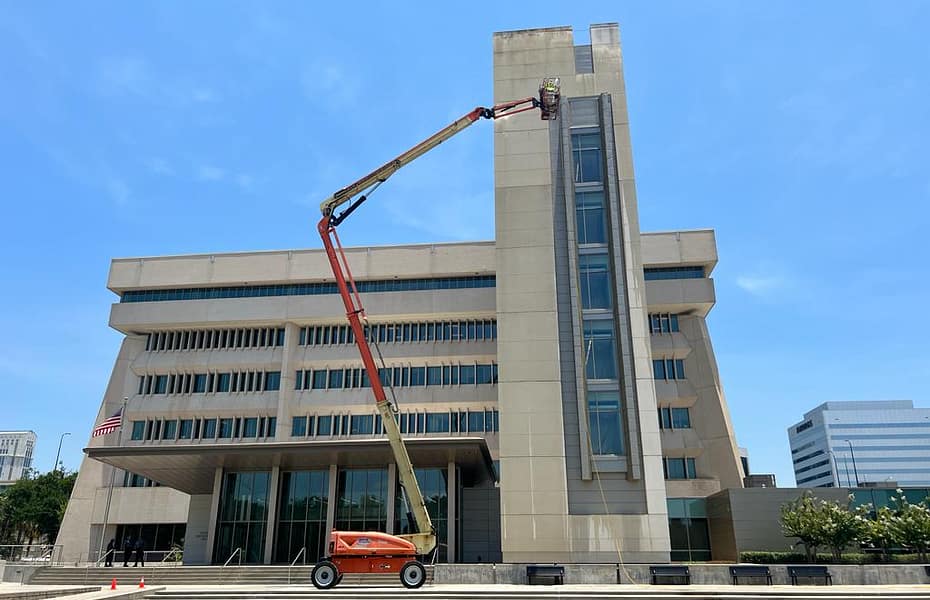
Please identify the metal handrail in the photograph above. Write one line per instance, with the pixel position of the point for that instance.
(232, 556)
(108, 553)
(175, 552)
(24, 553)
(303, 552)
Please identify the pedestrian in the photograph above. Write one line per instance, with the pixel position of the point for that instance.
(127, 550)
(111, 550)
(140, 551)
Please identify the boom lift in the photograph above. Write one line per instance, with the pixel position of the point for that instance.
(376, 552)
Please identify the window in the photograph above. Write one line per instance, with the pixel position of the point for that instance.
(272, 426)
(250, 427)
(361, 425)
(306, 289)
(417, 376)
(138, 430)
(600, 351)
(433, 375)
(324, 425)
(335, 379)
(484, 374)
(319, 379)
(200, 383)
(658, 273)
(226, 428)
(298, 426)
(209, 429)
(680, 468)
(222, 382)
(586, 156)
(663, 323)
(803, 426)
(668, 368)
(604, 423)
(161, 384)
(170, 430)
(467, 376)
(272, 381)
(476, 421)
(187, 427)
(437, 422)
(674, 418)
(594, 272)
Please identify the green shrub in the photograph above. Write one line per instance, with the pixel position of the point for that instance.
(849, 558)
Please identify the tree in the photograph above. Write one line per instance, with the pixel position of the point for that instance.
(32, 508)
(802, 518)
(911, 525)
(880, 531)
(842, 525)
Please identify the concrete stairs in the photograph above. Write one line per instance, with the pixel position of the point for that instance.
(202, 576)
(519, 592)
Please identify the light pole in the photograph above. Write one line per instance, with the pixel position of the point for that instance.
(836, 471)
(58, 454)
(853, 454)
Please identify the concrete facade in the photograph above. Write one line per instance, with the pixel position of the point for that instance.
(232, 363)
(852, 443)
(16, 450)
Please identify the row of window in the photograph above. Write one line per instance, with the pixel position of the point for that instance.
(674, 418)
(407, 376)
(463, 421)
(679, 468)
(806, 456)
(133, 480)
(659, 273)
(308, 289)
(668, 368)
(812, 466)
(204, 428)
(813, 477)
(438, 331)
(663, 323)
(208, 383)
(214, 339)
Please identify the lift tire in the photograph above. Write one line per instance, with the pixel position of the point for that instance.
(413, 574)
(324, 575)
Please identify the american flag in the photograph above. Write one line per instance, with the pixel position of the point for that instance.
(109, 425)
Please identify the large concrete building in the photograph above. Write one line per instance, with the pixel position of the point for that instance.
(844, 444)
(16, 449)
(557, 386)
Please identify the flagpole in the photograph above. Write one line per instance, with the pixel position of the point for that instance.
(106, 512)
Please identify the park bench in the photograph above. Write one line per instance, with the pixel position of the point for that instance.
(676, 572)
(809, 572)
(545, 574)
(738, 571)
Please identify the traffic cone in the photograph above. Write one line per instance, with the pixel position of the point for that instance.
(113, 584)
(142, 583)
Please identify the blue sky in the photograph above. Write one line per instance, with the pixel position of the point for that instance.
(796, 130)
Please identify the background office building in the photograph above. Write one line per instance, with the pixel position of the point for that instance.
(16, 449)
(568, 356)
(842, 444)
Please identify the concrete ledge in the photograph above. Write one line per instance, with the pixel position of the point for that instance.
(701, 574)
(26, 592)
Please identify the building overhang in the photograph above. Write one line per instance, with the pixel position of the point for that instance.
(190, 468)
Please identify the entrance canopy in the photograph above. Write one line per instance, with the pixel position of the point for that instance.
(190, 468)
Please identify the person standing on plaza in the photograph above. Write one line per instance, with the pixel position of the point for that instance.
(127, 550)
(140, 551)
(111, 550)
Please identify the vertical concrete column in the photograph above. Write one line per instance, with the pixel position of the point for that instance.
(391, 496)
(286, 391)
(452, 486)
(272, 512)
(214, 512)
(331, 502)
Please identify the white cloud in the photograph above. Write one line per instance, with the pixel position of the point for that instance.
(117, 189)
(211, 173)
(760, 286)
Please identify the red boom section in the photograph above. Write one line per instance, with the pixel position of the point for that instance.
(352, 302)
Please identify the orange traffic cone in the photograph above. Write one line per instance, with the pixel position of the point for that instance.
(142, 583)
(113, 584)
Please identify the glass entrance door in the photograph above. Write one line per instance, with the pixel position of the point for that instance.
(243, 517)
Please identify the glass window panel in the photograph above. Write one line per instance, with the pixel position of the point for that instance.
(658, 369)
(483, 374)
(600, 350)
(319, 379)
(226, 426)
(594, 272)
(209, 429)
(222, 384)
(417, 376)
(362, 425)
(170, 430)
(437, 422)
(138, 430)
(433, 375)
(250, 427)
(200, 383)
(298, 426)
(604, 423)
(475, 421)
(681, 418)
(324, 425)
(467, 375)
(675, 468)
(272, 380)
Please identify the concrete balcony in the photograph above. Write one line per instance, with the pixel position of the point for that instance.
(691, 488)
(669, 345)
(681, 295)
(675, 393)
